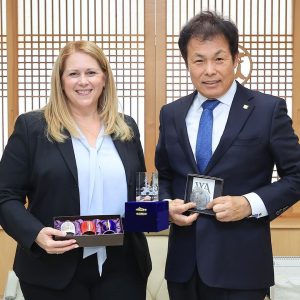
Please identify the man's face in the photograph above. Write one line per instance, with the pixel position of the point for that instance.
(211, 66)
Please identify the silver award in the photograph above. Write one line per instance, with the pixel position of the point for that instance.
(201, 196)
(201, 190)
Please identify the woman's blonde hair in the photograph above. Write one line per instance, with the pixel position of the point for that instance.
(57, 115)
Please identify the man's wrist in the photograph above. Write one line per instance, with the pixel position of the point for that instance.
(258, 208)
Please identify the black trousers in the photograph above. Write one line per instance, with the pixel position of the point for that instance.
(118, 281)
(195, 289)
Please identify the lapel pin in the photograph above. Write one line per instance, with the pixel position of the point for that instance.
(245, 106)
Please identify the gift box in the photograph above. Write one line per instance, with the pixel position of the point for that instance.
(90, 231)
(146, 216)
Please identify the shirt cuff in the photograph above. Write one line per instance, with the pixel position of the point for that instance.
(257, 205)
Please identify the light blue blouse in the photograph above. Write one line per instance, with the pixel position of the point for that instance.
(102, 182)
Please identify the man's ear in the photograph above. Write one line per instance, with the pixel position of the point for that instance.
(187, 66)
(236, 60)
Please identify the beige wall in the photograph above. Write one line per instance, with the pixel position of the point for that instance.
(286, 236)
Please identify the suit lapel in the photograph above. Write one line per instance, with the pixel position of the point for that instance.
(240, 110)
(181, 129)
(66, 150)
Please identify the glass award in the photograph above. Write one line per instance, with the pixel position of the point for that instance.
(147, 186)
(201, 190)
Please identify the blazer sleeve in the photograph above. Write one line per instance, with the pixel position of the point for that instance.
(136, 136)
(285, 149)
(16, 220)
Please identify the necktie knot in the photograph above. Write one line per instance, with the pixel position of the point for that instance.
(210, 104)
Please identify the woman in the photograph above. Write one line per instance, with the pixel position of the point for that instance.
(77, 156)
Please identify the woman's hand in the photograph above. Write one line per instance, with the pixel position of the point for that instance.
(45, 240)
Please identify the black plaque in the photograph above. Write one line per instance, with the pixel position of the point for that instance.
(201, 190)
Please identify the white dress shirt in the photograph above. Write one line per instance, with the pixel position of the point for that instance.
(220, 115)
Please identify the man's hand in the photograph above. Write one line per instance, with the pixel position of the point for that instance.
(45, 240)
(230, 208)
(176, 209)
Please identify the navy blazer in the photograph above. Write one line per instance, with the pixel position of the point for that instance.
(257, 135)
(45, 172)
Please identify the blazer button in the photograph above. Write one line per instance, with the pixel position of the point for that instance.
(285, 208)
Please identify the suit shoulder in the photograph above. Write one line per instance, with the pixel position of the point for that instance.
(33, 121)
(132, 124)
(33, 117)
(129, 120)
(267, 97)
(261, 98)
(178, 102)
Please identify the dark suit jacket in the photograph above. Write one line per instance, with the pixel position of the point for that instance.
(257, 135)
(46, 173)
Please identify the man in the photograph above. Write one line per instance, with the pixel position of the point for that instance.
(229, 255)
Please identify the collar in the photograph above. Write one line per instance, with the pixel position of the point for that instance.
(226, 99)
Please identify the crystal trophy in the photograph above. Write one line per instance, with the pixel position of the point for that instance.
(147, 186)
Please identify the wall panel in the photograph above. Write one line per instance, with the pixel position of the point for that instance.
(117, 27)
(3, 77)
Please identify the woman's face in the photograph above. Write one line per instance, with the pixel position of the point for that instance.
(83, 82)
